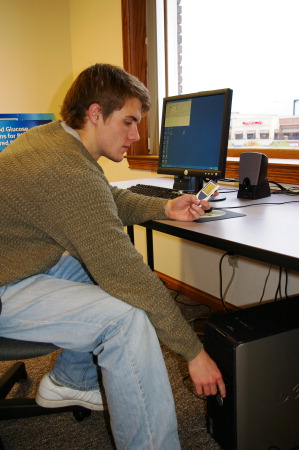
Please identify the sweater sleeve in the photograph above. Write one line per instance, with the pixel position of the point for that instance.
(88, 225)
(134, 208)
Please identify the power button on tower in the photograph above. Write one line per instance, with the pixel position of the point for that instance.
(219, 399)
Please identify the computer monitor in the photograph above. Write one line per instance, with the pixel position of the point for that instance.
(194, 138)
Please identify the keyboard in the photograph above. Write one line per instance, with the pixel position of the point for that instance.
(154, 191)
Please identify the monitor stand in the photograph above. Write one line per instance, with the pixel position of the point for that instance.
(187, 183)
(218, 198)
(192, 184)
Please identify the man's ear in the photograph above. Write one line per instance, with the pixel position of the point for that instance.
(94, 112)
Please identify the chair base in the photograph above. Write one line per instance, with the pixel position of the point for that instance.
(16, 373)
(27, 407)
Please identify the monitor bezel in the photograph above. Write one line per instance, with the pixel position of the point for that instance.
(201, 173)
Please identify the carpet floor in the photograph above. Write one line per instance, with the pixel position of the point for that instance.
(62, 431)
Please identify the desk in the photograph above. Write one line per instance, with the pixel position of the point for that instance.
(268, 233)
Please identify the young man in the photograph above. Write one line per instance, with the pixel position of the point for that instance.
(70, 275)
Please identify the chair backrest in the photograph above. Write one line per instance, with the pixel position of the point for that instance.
(13, 349)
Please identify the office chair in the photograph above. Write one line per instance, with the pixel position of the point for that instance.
(12, 350)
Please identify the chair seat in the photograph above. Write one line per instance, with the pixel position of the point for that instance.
(13, 349)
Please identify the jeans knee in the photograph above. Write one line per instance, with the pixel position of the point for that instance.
(133, 328)
(141, 330)
(141, 320)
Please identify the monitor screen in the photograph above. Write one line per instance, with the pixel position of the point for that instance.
(194, 137)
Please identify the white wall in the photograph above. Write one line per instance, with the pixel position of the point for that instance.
(96, 32)
(36, 63)
(198, 266)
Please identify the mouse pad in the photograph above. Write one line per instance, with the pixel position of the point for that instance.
(218, 214)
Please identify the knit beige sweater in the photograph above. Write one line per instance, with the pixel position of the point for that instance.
(55, 198)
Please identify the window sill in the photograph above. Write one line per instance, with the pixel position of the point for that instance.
(143, 162)
(283, 165)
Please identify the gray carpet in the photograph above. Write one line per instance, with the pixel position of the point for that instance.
(62, 431)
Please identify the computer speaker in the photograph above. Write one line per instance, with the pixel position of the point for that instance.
(253, 182)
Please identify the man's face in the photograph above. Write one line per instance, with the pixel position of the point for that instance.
(115, 135)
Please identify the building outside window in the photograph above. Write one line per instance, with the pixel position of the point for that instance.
(212, 42)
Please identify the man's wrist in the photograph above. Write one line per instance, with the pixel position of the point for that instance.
(167, 207)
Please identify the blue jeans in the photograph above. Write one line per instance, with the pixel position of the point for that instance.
(64, 307)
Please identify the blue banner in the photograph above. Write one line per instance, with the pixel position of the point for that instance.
(13, 125)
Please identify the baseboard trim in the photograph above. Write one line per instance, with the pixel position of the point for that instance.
(194, 294)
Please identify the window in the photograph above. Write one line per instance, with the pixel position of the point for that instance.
(220, 42)
(135, 55)
(253, 54)
(251, 135)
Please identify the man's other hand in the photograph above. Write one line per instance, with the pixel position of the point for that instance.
(205, 375)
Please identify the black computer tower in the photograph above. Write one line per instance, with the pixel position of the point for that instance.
(257, 351)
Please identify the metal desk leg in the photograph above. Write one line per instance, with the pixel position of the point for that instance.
(150, 248)
(149, 244)
(130, 231)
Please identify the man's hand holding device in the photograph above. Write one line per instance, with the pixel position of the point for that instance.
(189, 207)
